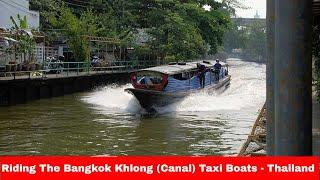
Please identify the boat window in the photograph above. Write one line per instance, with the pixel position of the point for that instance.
(146, 77)
(142, 81)
(193, 73)
(177, 76)
(182, 76)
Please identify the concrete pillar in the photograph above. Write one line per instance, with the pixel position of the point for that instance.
(293, 100)
(270, 76)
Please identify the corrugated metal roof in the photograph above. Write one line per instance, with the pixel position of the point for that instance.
(174, 69)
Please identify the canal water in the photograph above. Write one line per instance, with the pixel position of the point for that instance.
(109, 121)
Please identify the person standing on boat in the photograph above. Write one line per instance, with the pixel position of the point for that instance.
(202, 74)
(217, 69)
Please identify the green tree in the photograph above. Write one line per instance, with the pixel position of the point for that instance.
(47, 9)
(251, 39)
(75, 29)
(235, 38)
(256, 45)
(182, 29)
(26, 43)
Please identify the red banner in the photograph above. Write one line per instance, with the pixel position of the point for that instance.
(34, 168)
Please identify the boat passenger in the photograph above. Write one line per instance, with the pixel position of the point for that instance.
(202, 74)
(145, 80)
(184, 76)
(217, 69)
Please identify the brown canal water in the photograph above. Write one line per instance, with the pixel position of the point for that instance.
(108, 121)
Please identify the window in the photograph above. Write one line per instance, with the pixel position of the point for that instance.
(149, 77)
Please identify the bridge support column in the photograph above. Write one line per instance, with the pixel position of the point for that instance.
(270, 76)
(293, 99)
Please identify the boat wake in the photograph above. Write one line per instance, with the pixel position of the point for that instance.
(113, 98)
(247, 89)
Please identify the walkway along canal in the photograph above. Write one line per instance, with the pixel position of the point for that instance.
(23, 86)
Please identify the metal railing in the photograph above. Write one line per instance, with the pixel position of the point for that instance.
(71, 69)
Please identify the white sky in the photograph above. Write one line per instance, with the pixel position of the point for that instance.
(254, 6)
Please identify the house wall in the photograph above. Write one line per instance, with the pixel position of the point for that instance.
(13, 8)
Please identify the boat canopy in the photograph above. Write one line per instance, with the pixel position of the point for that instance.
(180, 67)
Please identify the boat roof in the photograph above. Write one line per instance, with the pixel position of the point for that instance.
(180, 67)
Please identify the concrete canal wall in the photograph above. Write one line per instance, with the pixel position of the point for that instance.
(19, 91)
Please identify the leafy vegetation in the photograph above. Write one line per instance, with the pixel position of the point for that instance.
(75, 30)
(176, 29)
(26, 43)
(256, 45)
(235, 38)
(251, 39)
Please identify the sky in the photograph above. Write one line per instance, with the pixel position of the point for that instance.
(254, 6)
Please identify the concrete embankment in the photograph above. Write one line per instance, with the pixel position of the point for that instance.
(19, 91)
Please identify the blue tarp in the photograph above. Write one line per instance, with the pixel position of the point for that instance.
(175, 85)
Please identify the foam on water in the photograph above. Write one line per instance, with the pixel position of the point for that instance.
(113, 98)
(247, 90)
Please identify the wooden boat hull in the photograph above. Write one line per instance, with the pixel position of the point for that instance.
(149, 99)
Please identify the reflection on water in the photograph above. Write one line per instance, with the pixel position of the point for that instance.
(109, 121)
